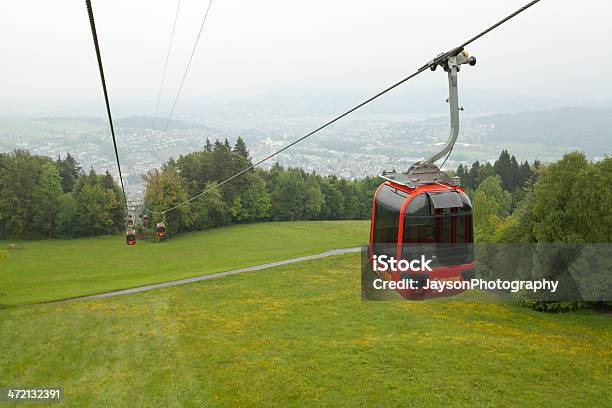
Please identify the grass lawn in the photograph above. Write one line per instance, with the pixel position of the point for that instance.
(299, 335)
(57, 269)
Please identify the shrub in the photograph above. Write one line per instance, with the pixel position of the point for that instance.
(554, 307)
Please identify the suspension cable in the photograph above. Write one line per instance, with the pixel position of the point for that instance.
(108, 110)
(161, 86)
(431, 63)
(195, 45)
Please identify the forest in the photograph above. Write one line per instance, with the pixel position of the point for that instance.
(566, 201)
(276, 194)
(288, 194)
(45, 198)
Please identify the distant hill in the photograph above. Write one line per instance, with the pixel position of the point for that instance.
(27, 130)
(296, 101)
(587, 129)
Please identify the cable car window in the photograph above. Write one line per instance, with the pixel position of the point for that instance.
(386, 218)
(419, 205)
(438, 217)
(464, 233)
(419, 225)
(446, 221)
(445, 199)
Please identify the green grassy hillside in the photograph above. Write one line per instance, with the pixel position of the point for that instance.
(300, 336)
(56, 269)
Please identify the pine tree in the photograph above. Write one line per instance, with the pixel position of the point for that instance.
(463, 175)
(525, 175)
(69, 170)
(505, 168)
(240, 148)
(473, 175)
(514, 174)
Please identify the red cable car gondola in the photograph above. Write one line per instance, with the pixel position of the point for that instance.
(130, 237)
(145, 220)
(130, 220)
(424, 212)
(161, 230)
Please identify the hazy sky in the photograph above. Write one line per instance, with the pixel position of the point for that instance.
(558, 48)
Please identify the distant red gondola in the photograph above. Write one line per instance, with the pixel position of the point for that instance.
(145, 220)
(161, 230)
(131, 237)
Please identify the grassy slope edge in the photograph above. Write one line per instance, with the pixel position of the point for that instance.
(58, 269)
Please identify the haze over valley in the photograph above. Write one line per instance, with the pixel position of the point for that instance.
(390, 135)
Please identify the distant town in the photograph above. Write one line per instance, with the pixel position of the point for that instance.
(354, 148)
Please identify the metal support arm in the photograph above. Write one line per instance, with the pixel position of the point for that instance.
(426, 171)
(452, 68)
(453, 101)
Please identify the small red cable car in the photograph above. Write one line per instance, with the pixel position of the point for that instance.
(161, 230)
(131, 237)
(145, 220)
(424, 213)
(130, 220)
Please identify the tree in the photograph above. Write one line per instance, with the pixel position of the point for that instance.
(551, 198)
(93, 215)
(165, 190)
(288, 196)
(18, 179)
(332, 207)
(46, 195)
(255, 201)
(313, 199)
(487, 170)
(504, 168)
(210, 210)
(463, 175)
(473, 175)
(240, 148)
(526, 175)
(69, 171)
(492, 187)
(486, 216)
(491, 205)
(196, 169)
(66, 216)
(589, 204)
(222, 168)
(116, 204)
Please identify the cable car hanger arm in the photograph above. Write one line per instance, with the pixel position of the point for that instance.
(452, 66)
(426, 171)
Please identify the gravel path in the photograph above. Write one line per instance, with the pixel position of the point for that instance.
(177, 282)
